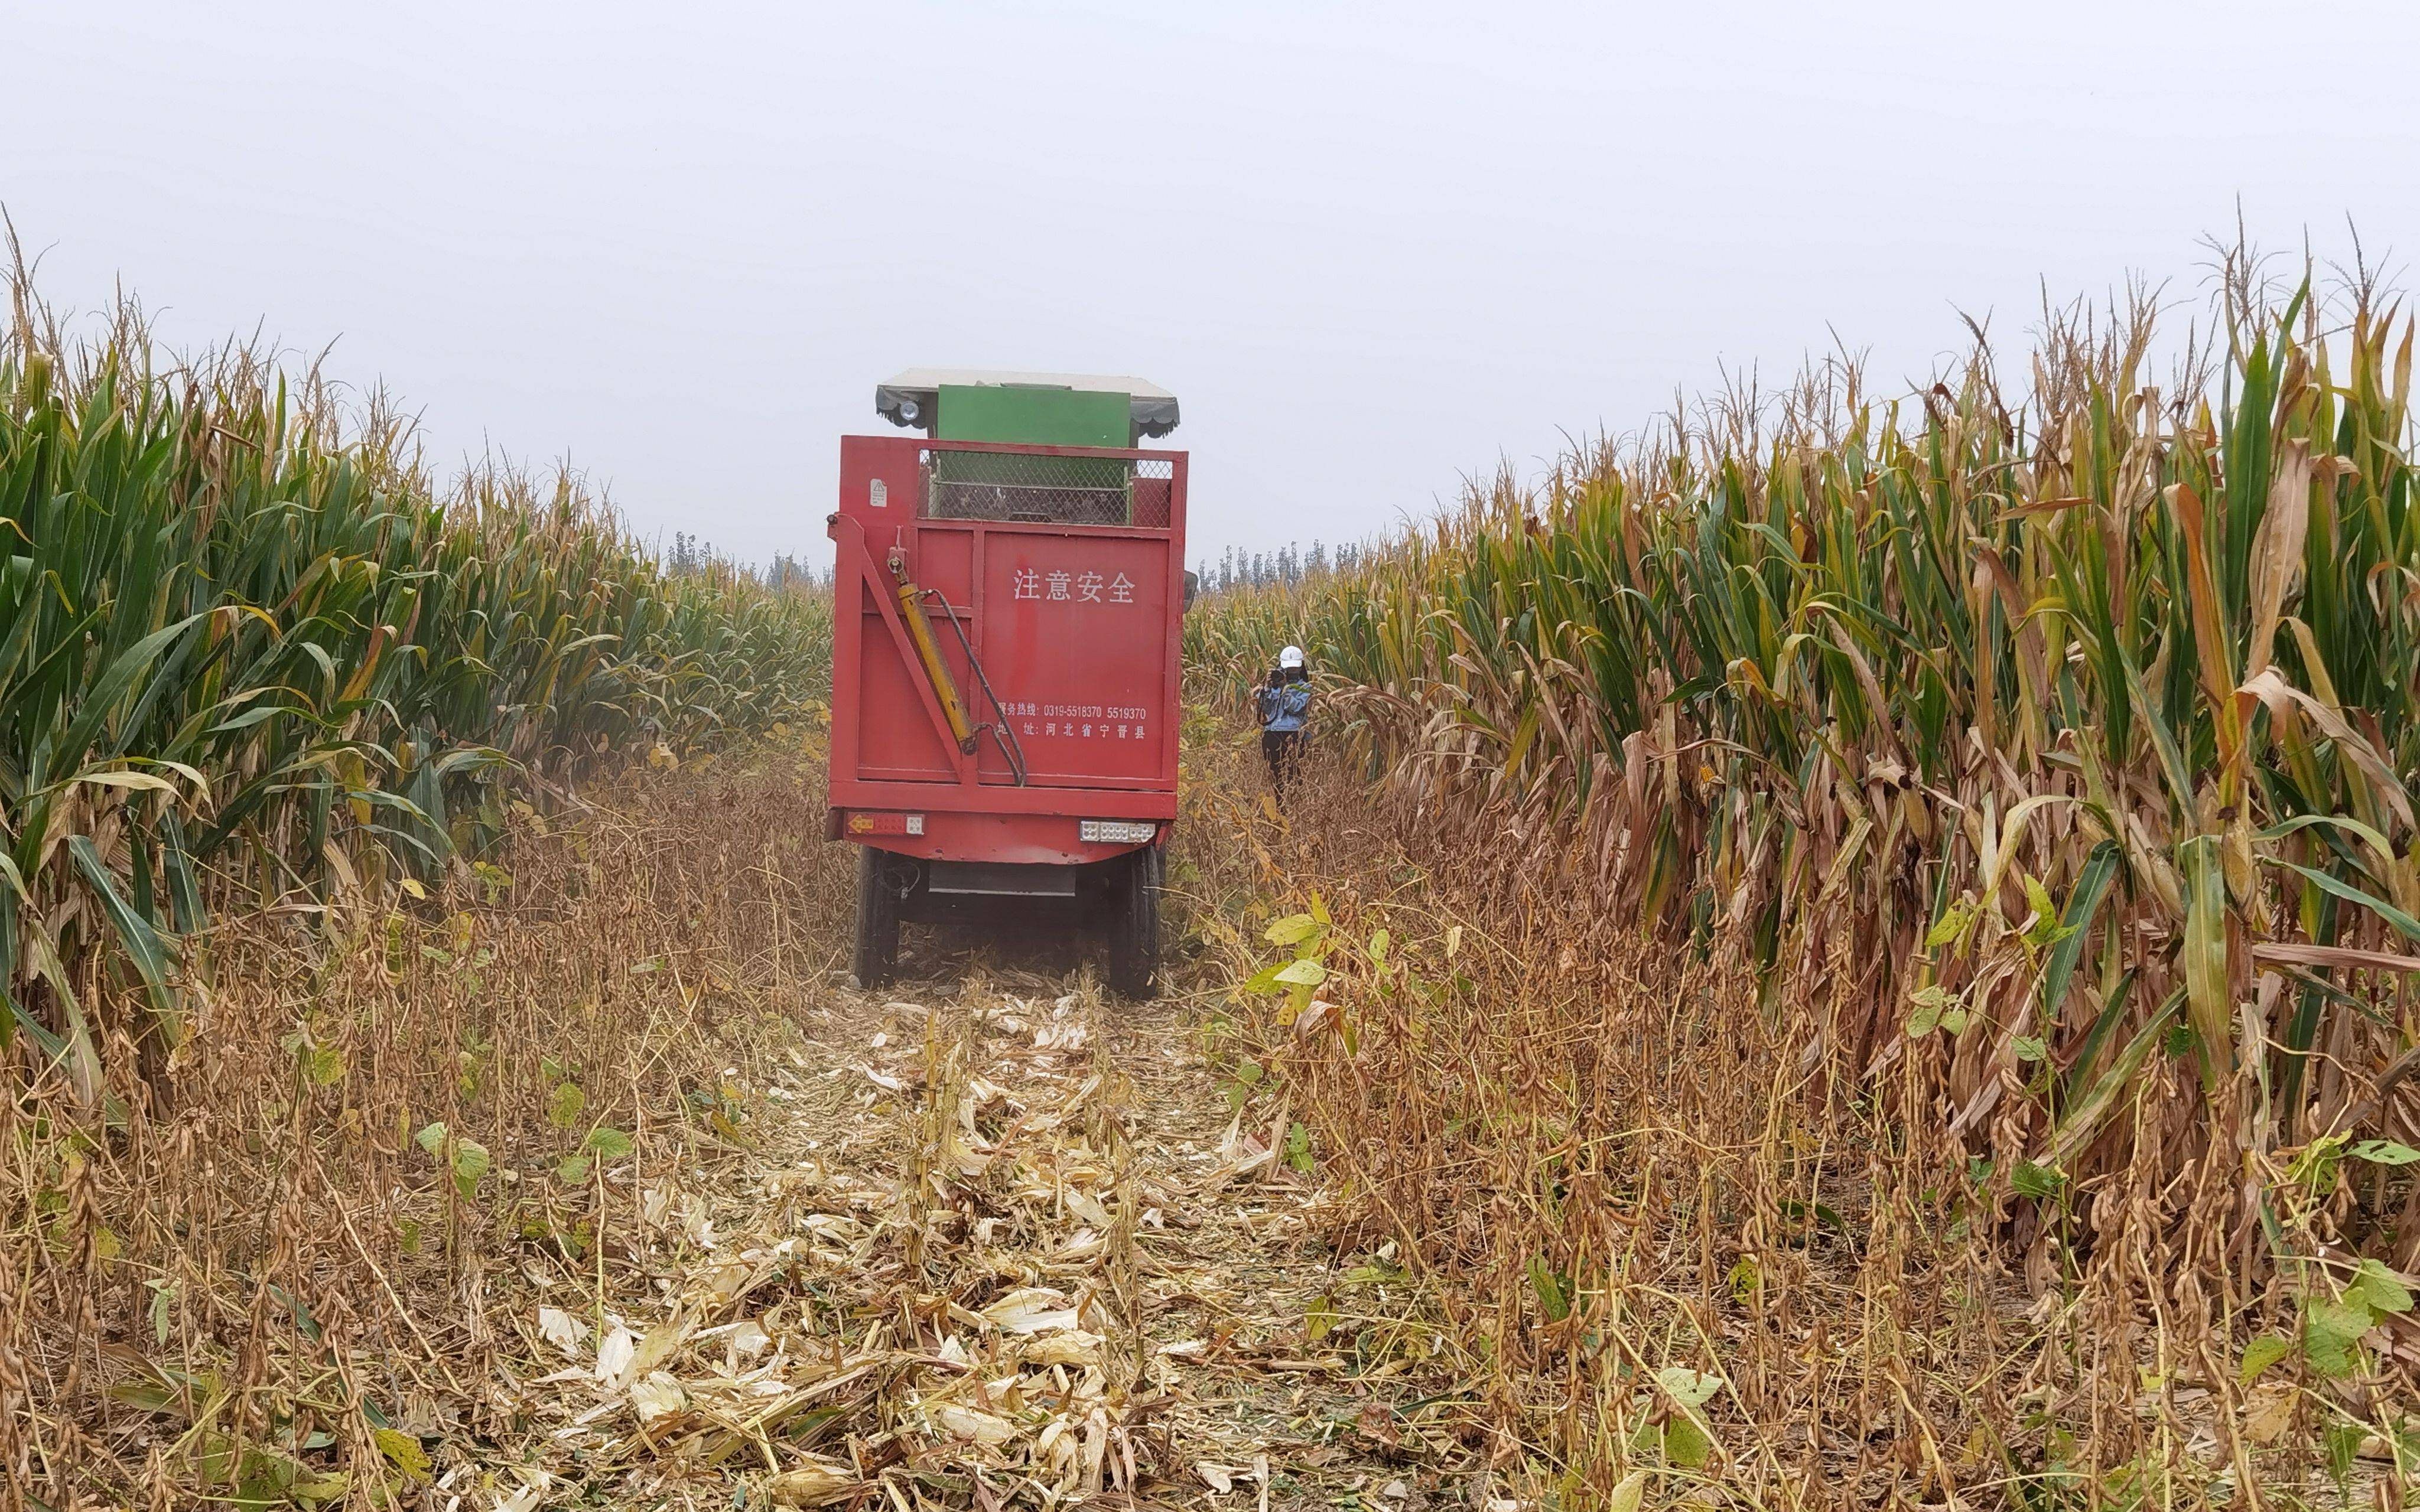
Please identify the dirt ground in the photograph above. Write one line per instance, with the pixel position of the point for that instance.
(986, 1239)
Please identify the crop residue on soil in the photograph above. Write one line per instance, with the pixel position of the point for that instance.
(1006, 1247)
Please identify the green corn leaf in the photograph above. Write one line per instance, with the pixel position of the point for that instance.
(2092, 886)
(17, 1018)
(101, 700)
(2163, 741)
(2404, 923)
(2205, 951)
(142, 942)
(2092, 1104)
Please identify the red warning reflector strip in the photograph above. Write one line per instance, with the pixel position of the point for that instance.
(862, 822)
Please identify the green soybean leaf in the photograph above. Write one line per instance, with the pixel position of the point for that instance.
(2343, 1444)
(2039, 1183)
(1686, 1444)
(1298, 1148)
(471, 1162)
(1292, 930)
(1303, 974)
(1951, 924)
(2384, 1152)
(1689, 1388)
(2379, 1289)
(2331, 1334)
(163, 1301)
(1548, 1286)
(2259, 1354)
(2043, 929)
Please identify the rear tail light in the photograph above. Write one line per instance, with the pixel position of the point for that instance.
(1117, 831)
(861, 822)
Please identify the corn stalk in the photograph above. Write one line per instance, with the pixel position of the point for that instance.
(2066, 748)
(249, 656)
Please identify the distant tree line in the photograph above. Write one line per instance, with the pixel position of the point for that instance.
(1288, 564)
(789, 572)
(695, 555)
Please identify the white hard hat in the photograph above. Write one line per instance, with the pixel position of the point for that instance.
(1290, 656)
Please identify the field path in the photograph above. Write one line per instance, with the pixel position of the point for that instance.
(992, 1243)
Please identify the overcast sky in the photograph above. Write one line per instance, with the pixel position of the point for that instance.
(1372, 248)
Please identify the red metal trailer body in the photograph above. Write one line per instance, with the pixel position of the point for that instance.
(1057, 636)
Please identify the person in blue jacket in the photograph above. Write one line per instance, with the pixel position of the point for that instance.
(1285, 707)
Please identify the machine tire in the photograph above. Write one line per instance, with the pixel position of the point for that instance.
(1134, 927)
(876, 958)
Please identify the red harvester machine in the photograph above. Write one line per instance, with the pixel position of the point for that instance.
(1004, 662)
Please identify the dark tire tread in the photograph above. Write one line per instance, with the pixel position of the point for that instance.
(875, 956)
(1134, 927)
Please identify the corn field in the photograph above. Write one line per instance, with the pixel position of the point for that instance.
(2056, 747)
(252, 658)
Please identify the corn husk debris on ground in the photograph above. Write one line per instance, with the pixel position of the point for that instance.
(992, 1254)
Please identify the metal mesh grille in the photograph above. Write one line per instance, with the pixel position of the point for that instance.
(1154, 490)
(1058, 490)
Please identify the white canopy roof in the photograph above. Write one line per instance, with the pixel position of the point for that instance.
(1154, 408)
(934, 377)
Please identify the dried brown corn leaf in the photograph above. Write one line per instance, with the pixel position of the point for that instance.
(816, 1483)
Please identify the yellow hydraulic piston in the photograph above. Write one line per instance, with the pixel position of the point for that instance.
(911, 608)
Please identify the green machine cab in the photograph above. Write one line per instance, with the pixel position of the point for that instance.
(1098, 413)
